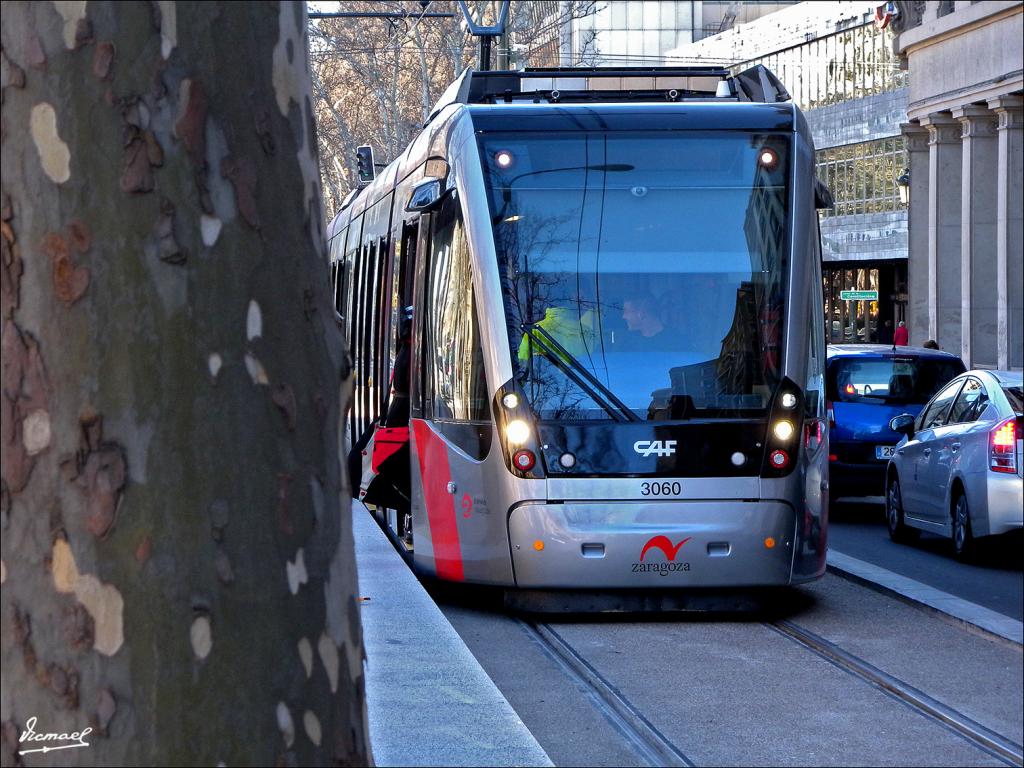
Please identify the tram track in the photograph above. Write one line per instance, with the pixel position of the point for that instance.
(654, 748)
(967, 728)
(643, 737)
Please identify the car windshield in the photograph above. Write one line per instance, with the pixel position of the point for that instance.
(892, 380)
(653, 261)
(1016, 397)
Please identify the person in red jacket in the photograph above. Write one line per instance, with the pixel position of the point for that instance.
(901, 337)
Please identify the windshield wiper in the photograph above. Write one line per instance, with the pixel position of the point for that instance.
(575, 370)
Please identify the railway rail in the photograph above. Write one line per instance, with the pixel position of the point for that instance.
(654, 748)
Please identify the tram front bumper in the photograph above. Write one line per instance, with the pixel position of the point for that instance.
(663, 544)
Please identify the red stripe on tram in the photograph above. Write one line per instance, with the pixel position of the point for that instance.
(435, 472)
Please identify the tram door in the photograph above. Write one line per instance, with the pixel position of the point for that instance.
(395, 363)
(403, 265)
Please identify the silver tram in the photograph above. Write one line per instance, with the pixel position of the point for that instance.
(617, 346)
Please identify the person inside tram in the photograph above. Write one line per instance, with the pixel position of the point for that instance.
(574, 332)
(642, 318)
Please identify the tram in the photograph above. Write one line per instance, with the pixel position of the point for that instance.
(617, 344)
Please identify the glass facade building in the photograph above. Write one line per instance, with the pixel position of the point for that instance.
(842, 71)
(862, 177)
(639, 33)
(852, 64)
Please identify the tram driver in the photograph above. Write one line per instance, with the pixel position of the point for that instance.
(644, 321)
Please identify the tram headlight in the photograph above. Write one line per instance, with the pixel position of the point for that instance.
(517, 431)
(511, 400)
(767, 158)
(788, 400)
(503, 159)
(783, 430)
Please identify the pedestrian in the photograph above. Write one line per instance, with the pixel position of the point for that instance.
(931, 344)
(901, 337)
(886, 335)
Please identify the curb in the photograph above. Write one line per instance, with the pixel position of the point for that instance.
(428, 700)
(886, 581)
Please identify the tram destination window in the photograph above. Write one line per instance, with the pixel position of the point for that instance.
(655, 261)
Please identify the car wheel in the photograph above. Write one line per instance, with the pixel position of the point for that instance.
(898, 529)
(963, 538)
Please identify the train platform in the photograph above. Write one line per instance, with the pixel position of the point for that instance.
(429, 701)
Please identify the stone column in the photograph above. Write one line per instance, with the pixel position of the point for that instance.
(1009, 251)
(978, 236)
(944, 166)
(916, 139)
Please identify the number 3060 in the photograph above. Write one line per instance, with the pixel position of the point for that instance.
(667, 488)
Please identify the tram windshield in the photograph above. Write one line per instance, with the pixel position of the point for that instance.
(653, 260)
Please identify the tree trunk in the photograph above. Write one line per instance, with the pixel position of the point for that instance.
(178, 570)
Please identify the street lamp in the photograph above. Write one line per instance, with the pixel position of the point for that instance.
(903, 185)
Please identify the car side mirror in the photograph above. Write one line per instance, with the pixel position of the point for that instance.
(904, 424)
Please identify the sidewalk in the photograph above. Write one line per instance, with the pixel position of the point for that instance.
(428, 700)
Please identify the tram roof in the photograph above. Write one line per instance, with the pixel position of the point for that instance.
(598, 85)
(738, 116)
(637, 98)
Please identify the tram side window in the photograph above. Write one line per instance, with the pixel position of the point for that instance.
(338, 277)
(456, 388)
(351, 268)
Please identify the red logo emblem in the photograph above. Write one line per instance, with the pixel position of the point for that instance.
(664, 543)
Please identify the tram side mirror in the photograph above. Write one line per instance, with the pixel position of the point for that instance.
(822, 195)
(424, 196)
(904, 424)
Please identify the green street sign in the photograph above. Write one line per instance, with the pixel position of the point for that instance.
(858, 295)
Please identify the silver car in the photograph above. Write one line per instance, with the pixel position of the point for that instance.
(957, 470)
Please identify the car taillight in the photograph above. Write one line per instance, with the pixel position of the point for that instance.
(831, 414)
(1002, 447)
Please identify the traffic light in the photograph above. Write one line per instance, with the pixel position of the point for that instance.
(364, 158)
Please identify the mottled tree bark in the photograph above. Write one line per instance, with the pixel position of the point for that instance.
(178, 570)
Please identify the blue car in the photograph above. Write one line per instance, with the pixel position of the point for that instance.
(866, 386)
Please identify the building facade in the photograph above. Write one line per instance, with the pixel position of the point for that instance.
(842, 71)
(964, 136)
(638, 33)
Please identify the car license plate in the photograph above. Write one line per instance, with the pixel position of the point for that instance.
(885, 451)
